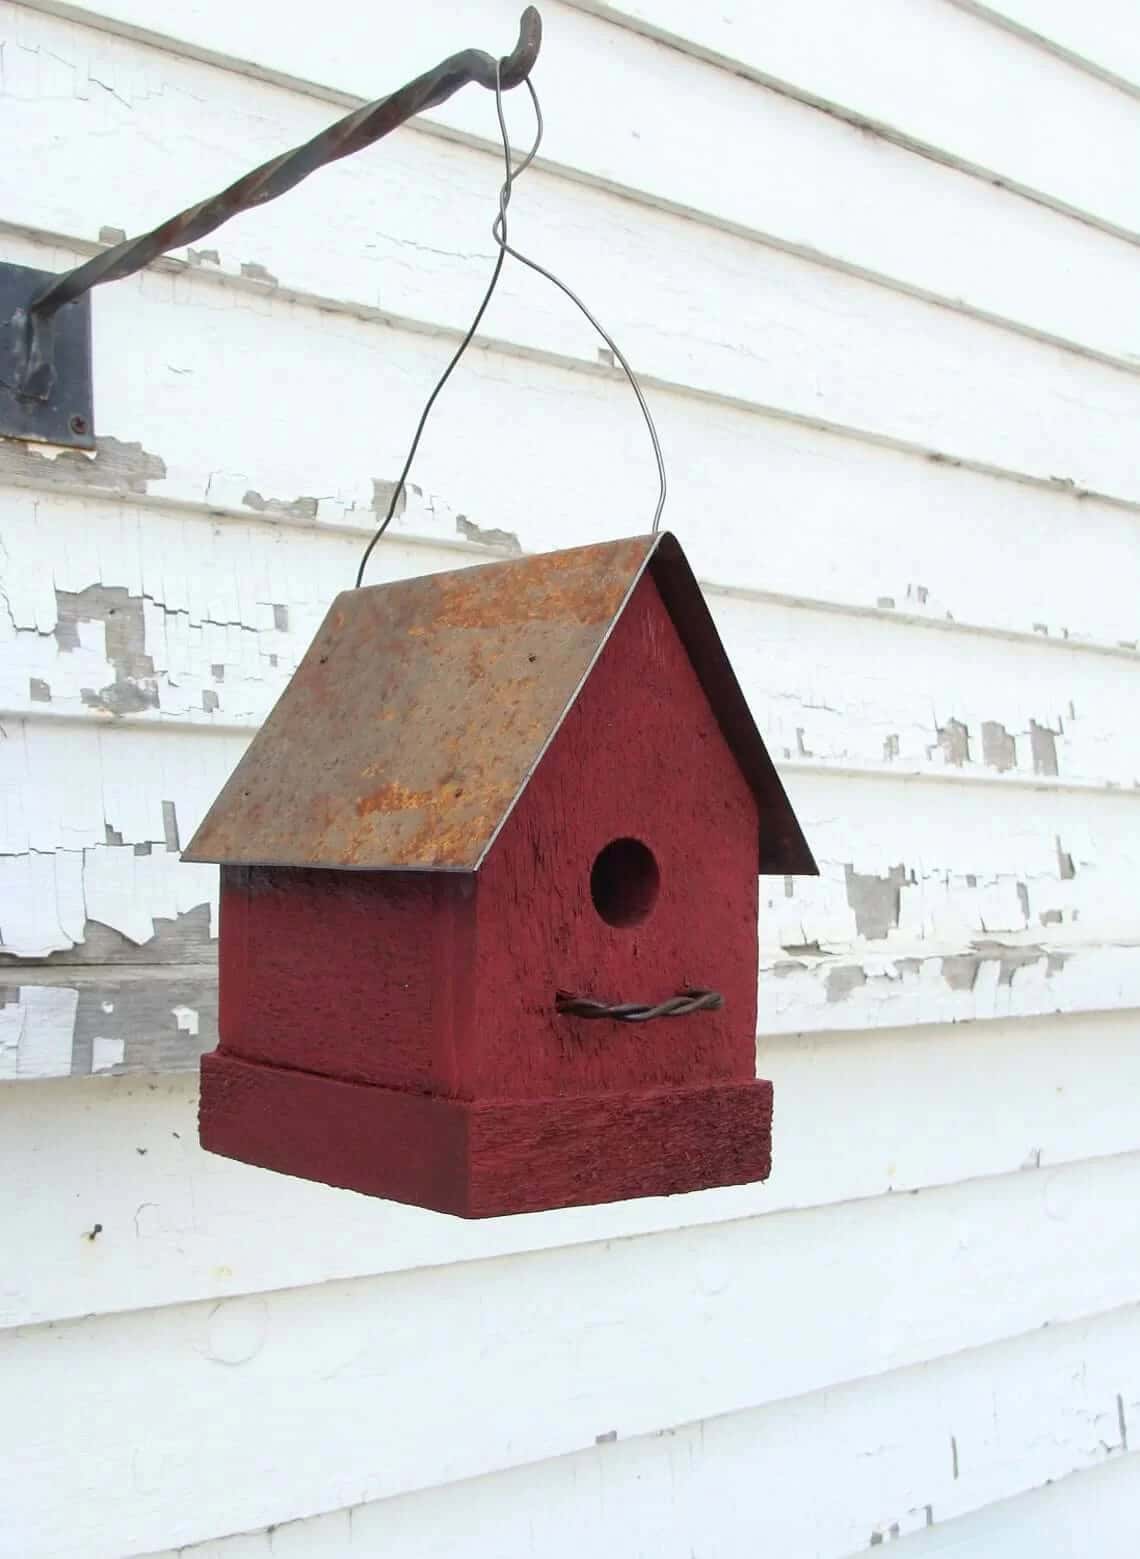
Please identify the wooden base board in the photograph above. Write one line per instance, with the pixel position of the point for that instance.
(482, 1160)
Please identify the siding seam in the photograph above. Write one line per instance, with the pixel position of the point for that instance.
(849, 116)
(369, 314)
(88, 494)
(1038, 40)
(182, 48)
(836, 767)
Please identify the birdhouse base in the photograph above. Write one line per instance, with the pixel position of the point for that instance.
(482, 1160)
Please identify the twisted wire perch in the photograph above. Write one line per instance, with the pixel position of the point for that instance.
(351, 134)
(678, 1006)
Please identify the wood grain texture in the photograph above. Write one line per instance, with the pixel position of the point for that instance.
(333, 972)
(639, 756)
(93, 1019)
(335, 982)
(486, 1159)
(406, 1147)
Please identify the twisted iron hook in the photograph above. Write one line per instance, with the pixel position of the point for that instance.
(351, 134)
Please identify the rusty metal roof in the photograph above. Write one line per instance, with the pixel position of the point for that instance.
(422, 708)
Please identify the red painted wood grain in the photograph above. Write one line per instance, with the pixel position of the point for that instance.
(333, 972)
(483, 1160)
(639, 756)
(388, 1002)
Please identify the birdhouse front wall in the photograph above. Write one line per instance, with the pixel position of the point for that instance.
(626, 872)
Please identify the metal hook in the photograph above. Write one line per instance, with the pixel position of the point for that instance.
(499, 233)
(29, 333)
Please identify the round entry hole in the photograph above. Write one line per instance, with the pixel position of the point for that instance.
(624, 882)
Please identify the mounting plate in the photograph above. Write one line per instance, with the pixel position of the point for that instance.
(62, 413)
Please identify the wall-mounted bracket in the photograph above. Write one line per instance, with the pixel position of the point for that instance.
(45, 320)
(45, 364)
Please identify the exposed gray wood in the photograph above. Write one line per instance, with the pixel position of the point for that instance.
(123, 1019)
(185, 940)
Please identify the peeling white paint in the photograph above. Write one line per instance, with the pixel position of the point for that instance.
(877, 692)
(36, 1032)
(43, 902)
(58, 893)
(898, 404)
(994, 980)
(106, 1053)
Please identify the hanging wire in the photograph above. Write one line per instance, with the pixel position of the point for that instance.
(499, 233)
(504, 201)
(33, 343)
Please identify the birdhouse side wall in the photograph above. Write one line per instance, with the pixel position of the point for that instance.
(352, 975)
(639, 756)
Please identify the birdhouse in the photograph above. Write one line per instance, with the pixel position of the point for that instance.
(489, 895)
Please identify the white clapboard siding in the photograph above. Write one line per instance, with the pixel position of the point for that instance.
(937, 75)
(180, 1225)
(983, 907)
(773, 506)
(710, 1486)
(1086, 1512)
(836, 350)
(1063, 856)
(1001, 910)
(404, 224)
(877, 267)
(324, 437)
(892, 1460)
(217, 618)
(349, 1385)
(1100, 35)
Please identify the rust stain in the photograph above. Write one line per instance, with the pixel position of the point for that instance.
(420, 709)
(557, 589)
(396, 798)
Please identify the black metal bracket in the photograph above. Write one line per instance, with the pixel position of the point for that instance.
(45, 365)
(45, 320)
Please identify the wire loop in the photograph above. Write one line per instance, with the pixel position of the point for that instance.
(499, 233)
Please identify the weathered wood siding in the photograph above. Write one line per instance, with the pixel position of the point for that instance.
(878, 266)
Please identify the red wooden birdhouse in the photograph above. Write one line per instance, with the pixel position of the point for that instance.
(497, 821)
